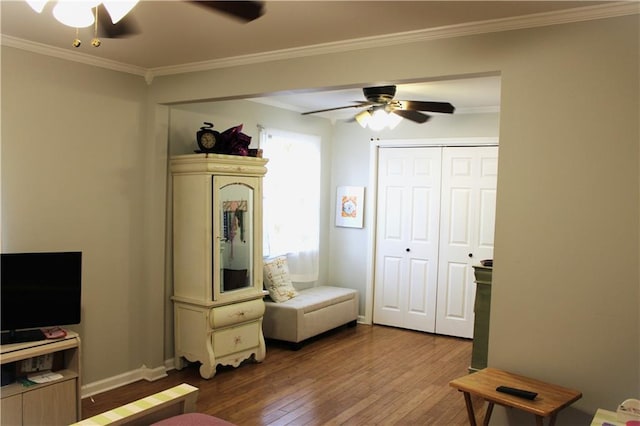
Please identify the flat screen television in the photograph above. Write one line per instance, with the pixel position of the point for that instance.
(38, 290)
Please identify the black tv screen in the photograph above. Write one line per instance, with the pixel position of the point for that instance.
(38, 290)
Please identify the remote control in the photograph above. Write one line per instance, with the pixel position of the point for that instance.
(54, 333)
(517, 392)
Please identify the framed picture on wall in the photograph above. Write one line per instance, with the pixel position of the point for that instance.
(350, 206)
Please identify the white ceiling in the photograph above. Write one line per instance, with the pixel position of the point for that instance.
(175, 33)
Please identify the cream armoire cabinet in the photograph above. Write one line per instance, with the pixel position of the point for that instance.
(217, 260)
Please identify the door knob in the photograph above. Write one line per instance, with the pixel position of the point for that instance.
(407, 250)
(470, 254)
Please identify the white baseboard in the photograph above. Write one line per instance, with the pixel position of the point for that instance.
(142, 373)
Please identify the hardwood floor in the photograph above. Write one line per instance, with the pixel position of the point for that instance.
(364, 375)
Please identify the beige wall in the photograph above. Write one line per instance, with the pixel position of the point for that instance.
(72, 180)
(566, 284)
(566, 300)
(566, 290)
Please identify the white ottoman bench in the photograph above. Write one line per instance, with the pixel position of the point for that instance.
(312, 312)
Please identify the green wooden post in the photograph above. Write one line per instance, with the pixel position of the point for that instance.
(482, 309)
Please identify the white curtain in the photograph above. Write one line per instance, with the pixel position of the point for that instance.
(291, 203)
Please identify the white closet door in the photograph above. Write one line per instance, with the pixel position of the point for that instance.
(469, 177)
(408, 207)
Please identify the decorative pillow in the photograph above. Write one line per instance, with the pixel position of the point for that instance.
(277, 281)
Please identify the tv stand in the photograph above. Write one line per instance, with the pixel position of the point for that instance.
(51, 403)
(22, 336)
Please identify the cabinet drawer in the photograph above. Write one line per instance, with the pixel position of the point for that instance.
(236, 339)
(11, 410)
(51, 405)
(224, 316)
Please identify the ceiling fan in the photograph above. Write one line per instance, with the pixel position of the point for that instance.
(381, 98)
(245, 11)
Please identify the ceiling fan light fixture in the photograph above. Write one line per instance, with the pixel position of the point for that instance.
(379, 118)
(118, 9)
(393, 120)
(363, 118)
(75, 13)
(37, 5)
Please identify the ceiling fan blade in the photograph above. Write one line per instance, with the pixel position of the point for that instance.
(360, 104)
(444, 107)
(126, 27)
(244, 10)
(415, 116)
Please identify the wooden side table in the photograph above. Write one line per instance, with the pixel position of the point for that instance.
(549, 401)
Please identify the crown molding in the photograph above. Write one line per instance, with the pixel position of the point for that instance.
(587, 13)
(56, 52)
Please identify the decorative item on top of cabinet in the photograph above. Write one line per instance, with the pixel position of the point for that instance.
(217, 260)
(207, 138)
(232, 141)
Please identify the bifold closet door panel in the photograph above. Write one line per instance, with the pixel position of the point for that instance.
(467, 223)
(435, 220)
(408, 204)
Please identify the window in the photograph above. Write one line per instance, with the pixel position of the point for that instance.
(291, 205)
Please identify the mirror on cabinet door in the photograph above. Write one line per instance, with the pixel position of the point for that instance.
(236, 244)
